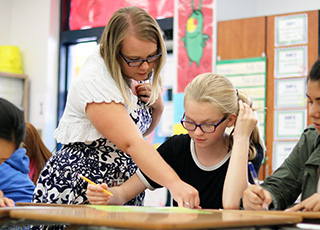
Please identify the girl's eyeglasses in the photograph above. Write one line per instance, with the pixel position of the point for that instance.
(206, 128)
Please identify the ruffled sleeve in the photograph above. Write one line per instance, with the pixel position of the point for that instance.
(95, 89)
(93, 84)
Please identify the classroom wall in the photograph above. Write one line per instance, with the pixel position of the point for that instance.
(4, 25)
(236, 9)
(33, 25)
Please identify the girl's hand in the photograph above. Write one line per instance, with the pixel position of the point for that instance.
(5, 202)
(96, 195)
(312, 203)
(246, 120)
(256, 198)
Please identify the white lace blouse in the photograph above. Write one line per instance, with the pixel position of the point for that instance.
(93, 84)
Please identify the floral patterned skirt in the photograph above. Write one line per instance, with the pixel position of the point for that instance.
(100, 161)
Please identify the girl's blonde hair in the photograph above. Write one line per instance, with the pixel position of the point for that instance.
(219, 91)
(137, 22)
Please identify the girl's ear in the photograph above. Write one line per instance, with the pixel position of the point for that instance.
(231, 119)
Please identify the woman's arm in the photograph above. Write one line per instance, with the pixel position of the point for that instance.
(114, 123)
(236, 180)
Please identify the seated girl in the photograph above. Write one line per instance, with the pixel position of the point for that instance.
(208, 158)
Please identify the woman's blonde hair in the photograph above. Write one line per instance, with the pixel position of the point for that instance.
(137, 22)
(219, 91)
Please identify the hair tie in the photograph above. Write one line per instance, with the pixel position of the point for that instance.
(237, 93)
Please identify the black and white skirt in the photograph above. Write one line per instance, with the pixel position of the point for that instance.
(100, 161)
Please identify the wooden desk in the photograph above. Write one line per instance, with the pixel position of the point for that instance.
(304, 215)
(149, 218)
(4, 212)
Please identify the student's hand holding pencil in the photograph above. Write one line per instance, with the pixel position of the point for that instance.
(96, 194)
(91, 182)
(256, 198)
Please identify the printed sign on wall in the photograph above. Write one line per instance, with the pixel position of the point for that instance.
(195, 43)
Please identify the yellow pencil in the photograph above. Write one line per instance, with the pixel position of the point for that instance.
(91, 182)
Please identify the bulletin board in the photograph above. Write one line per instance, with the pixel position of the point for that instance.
(285, 75)
(248, 75)
(235, 45)
(14, 88)
(292, 48)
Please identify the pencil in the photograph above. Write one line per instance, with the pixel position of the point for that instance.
(254, 176)
(91, 182)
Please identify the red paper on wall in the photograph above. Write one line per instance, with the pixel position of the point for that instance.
(96, 13)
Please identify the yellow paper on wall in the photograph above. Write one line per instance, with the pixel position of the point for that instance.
(178, 129)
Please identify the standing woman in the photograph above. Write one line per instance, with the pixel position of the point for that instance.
(107, 114)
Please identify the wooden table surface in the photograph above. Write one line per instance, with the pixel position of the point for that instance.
(148, 217)
(304, 215)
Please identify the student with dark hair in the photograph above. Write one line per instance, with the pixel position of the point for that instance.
(12, 124)
(14, 180)
(299, 173)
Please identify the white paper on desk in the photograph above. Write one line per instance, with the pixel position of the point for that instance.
(307, 226)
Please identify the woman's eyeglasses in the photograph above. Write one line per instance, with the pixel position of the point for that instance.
(139, 62)
(206, 128)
